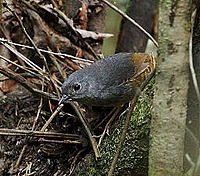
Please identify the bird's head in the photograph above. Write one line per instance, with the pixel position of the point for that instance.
(76, 87)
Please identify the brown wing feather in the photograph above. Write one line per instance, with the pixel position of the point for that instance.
(146, 65)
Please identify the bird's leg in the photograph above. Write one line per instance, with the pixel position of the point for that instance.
(105, 118)
(107, 127)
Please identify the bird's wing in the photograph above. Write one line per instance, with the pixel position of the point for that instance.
(145, 67)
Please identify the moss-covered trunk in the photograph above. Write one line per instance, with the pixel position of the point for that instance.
(168, 123)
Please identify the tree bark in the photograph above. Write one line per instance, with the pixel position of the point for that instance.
(170, 101)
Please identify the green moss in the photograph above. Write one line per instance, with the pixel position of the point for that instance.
(134, 155)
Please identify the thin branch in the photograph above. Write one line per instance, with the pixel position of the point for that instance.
(123, 137)
(92, 140)
(131, 20)
(33, 127)
(59, 141)
(55, 60)
(106, 118)
(17, 65)
(128, 118)
(28, 37)
(52, 117)
(17, 77)
(26, 60)
(20, 156)
(75, 33)
(49, 52)
(75, 161)
(194, 79)
(45, 94)
(38, 112)
(39, 107)
(14, 132)
(107, 125)
(35, 47)
(21, 80)
(31, 64)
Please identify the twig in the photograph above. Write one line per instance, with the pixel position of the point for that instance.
(28, 37)
(59, 142)
(52, 117)
(75, 33)
(74, 162)
(92, 140)
(26, 60)
(106, 118)
(58, 67)
(23, 68)
(39, 134)
(14, 132)
(20, 79)
(107, 125)
(39, 107)
(189, 159)
(35, 47)
(57, 88)
(38, 112)
(194, 79)
(45, 94)
(128, 118)
(20, 156)
(130, 20)
(123, 136)
(71, 115)
(17, 77)
(28, 170)
(49, 52)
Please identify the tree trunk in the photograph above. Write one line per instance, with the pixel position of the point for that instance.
(170, 101)
(131, 39)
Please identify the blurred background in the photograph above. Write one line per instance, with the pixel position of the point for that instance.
(112, 25)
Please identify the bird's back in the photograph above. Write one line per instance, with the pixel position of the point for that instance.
(112, 70)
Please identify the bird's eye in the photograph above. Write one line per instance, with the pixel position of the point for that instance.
(76, 87)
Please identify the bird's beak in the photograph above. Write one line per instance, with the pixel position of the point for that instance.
(63, 99)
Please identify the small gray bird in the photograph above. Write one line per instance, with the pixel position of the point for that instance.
(109, 82)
